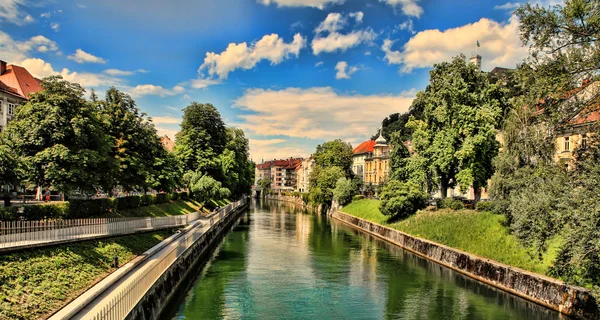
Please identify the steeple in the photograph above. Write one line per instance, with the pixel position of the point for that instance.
(380, 140)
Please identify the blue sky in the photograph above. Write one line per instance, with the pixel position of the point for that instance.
(291, 73)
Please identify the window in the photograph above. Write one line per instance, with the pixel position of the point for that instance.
(11, 109)
(567, 146)
(584, 141)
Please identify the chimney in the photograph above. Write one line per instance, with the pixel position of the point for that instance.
(2, 67)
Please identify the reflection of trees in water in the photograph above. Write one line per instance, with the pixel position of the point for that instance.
(208, 297)
(421, 289)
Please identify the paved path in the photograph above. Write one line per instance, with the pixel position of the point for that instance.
(130, 272)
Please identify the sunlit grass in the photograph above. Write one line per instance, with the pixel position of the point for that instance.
(171, 208)
(480, 233)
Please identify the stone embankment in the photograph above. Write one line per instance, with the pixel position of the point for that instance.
(552, 293)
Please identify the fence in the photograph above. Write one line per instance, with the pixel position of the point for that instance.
(16, 234)
(119, 306)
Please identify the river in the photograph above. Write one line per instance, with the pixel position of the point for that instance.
(283, 262)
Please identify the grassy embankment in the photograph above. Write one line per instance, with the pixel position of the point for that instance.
(480, 233)
(171, 208)
(36, 282)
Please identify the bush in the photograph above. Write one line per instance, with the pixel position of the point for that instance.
(9, 213)
(401, 199)
(344, 190)
(91, 208)
(358, 197)
(486, 206)
(297, 194)
(306, 198)
(450, 203)
(45, 211)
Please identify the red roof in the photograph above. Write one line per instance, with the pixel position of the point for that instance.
(364, 147)
(284, 163)
(20, 81)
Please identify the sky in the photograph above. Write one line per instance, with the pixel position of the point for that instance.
(291, 73)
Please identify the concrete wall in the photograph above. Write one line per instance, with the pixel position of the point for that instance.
(555, 294)
(158, 297)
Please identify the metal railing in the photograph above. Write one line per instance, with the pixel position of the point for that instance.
(14, 234)
(121, 303)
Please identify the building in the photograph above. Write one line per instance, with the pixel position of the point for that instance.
(361, 152)
(282, 173)
(303, 174)
(167, 143)
(16, 84)
(377, 163)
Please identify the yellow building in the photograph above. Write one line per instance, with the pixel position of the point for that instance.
(377, 163)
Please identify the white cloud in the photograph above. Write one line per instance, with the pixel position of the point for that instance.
(408, 7)
(316, 113)
(168, 131)
(45, 15)
(301, 3)
(203, 83)
(10, 11)
(508, 6)
(166, 120)
(55, 26)
(81, 56)
(173, 108)
(39, 68)
(320, 63)
(407, 25)
(500, 45)
(343, 71)
(117, 72)
(241, 56)
(14, 51)
(368, 53)
(332, 25)
(275, 149)
(154, 90)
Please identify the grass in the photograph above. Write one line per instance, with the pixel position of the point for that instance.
(171, 208)
(34, 283)
(480, 233)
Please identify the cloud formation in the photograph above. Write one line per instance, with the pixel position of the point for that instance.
(241, 56)
(316, 113)
(120, 73)
(270, 149)
(10, 11)
(16, 51)
(39, 68)
(500, 45)
(320, 4)
(81, 56)
(343, 71)
(154, 90)
(334, 40)
(408, 7)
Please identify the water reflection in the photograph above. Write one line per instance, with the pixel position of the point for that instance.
(282, 262)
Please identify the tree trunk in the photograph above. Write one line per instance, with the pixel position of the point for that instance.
(477, 194)
(444, 187)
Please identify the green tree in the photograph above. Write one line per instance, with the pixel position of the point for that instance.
(59, 138)
(202, 139)
(456, 135)
(336, 153)
(322, 183)
(401, 199)
(344, 190)
(236, 166)
(204, 187)
(264, 183)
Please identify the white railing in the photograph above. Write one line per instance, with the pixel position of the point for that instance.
(122, 302)
(16, 234)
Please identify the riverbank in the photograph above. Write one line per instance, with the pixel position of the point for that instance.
(480, 233)
(37, 282)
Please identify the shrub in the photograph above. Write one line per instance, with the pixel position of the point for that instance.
(450, 203)
(45, 211)
(401, 199)
(91, 208)
(344, 190)
(9, 213)
(306, 198)
(297, 194)
(486, 206)
(358, 197)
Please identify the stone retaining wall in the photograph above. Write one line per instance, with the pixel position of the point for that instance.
(159, 295)
(552, 293)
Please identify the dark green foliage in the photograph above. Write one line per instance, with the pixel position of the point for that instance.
(336, 153)
(487, 206)
(306, 198)
(344, 191)
(9, 213)
(401, 199)
(358, 197)
(450, 203)
(323, 182)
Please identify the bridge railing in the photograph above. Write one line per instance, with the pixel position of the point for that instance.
(119, 306)
(17, 234)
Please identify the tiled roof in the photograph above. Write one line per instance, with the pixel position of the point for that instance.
(364, 147)
(20, 81)
(284, 163)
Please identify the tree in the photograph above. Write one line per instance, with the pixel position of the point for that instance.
(236, 167)
(59, 138)
(205, 188)
(322, 183)
(456, 136)
(264, 183)
(202, 139)
(336, 153)
(401, 199)
(344, 190)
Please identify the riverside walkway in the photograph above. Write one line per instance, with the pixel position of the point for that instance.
(116, 295)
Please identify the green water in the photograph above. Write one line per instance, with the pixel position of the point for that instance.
(281, 262)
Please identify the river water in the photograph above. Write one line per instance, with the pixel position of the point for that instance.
(282, 262)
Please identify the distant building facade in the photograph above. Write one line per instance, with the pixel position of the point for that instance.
(16, 84)
(281, 173)
(377, 163)
(303, 174)
(167, 143)
(360, 154)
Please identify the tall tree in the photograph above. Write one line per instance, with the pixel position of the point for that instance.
(457, 134)
(59, 138)
(336, 153)
(202, 139)
(237, 169)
